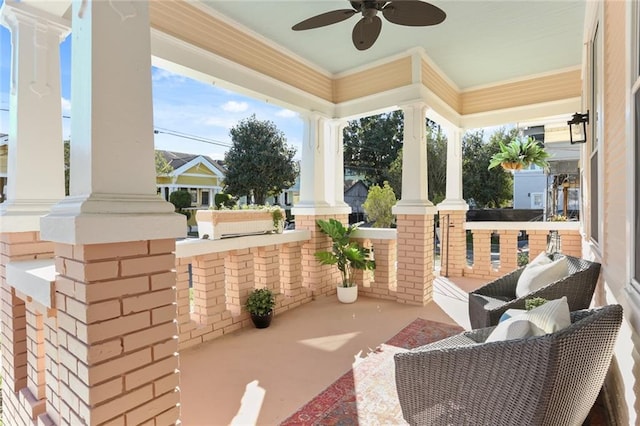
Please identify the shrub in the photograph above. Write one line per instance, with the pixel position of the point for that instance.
(378, 205)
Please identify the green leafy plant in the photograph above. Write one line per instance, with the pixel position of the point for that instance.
(223, 200)
(277, 214)
(181, 200)
(523, 258)
(529, 304)
(520, 153)
(345, 254)
(260, 302)
(378, 205)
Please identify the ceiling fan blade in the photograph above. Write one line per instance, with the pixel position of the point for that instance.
(356, 4)
(366, 32)
(323, 19)
(413, 13)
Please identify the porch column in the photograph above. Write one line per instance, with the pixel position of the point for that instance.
(319, 176)
(415, 213)
(114, 237)
(453, 210)
(35, 143)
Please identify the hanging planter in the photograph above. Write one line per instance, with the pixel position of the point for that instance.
(519, 154)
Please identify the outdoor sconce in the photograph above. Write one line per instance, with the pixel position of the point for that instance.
(578, 127)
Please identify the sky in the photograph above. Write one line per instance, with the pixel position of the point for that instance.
(180, 105)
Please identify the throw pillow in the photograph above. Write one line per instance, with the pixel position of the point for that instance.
(540, 273)
(548, 318)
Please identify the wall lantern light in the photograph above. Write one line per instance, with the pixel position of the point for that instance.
(578, 127)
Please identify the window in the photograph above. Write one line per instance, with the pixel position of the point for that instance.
(635, 96)
(594, 118)
(205, 198)
(537, 200)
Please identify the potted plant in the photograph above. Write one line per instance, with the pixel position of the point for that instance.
(260, 305)
(277, 214)
(520, 153)
(346, 255)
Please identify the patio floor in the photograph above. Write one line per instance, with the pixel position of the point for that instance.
(262, 376)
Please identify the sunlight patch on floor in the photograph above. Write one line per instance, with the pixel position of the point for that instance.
(250, 405)
(452, 300)
(330, 343)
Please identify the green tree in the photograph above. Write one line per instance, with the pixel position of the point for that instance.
(259, 163)
(378, 205)
(181, 200)
(485, 188)
(371, 144)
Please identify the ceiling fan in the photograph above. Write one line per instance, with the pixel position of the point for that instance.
(414, 13)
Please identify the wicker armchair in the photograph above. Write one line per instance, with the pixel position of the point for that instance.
(488, 303)
(546, 380)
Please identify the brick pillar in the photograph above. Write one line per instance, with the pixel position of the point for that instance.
(208, 287)
(240, 279)
(267, 267)
(361, 277)
(537, 242)
(570, 243)
(35, 357)
(22, 401)
(453, 243)
(291, 269)
(320, 279)
(116, 337)
(51, 368)
(508, 251)
(482, 253)
(384, 282)
(415, 258)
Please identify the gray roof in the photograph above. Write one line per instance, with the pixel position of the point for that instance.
(179, 159)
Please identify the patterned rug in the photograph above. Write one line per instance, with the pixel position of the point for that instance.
(366, 395)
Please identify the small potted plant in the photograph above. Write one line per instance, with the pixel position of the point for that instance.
(347, 255)
(260, 305)
(277, 214)
(519, 154)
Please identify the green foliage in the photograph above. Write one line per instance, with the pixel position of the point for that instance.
(260, 301)
(436, 162)
(163, 168)
(223, 200)
(378, 205)
(181, 200)
(483, 187)
(523, 258)
(259, 163)
(371, 144)
(346, 255)
(67, 166)
(522, 152)
(534, 302)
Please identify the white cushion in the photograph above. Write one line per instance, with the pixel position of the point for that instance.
(548, 318)
(540, 273)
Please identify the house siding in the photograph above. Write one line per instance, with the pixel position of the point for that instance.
(432, 80)
(373, 80)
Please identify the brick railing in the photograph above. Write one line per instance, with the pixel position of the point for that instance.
(489, 264)
(220, 274)
(381, 282)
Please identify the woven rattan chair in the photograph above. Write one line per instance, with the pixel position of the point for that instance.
(488, 303)
(547, 380)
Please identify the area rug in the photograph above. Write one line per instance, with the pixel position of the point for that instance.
(366, 395)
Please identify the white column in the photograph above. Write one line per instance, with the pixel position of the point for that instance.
(414, 163)
(112, 194)
(35, 175)
(337, 130)
(454, 200)
(319, 168)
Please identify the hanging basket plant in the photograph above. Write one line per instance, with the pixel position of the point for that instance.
(519, 154)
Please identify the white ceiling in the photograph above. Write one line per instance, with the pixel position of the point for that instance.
(479, 43)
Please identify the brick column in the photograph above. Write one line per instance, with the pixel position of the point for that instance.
(537, 242)
(117, 346)
(208, 274)
(240, 279)
(453, 243)
(415, 258)
(320, 279)
(267, 267)
(482, 253)
(384, 284)
(570, 243)
(508, 251)
(361, 277)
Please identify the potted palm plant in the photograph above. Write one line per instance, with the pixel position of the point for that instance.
(260, 305)
(520, 153)
(347, 255)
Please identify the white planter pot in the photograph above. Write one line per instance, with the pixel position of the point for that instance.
(218, 224)
(347, 294)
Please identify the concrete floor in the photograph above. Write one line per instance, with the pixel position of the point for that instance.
(262, 376)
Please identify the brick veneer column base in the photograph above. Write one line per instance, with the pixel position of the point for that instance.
(453, 243)
(415, 259)
(320, 279)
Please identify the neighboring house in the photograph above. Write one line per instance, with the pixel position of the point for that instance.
(198, 174)
(535, 189)
(4, 143)
(355, 194)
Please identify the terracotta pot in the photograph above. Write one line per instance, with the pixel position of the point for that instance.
(511, 165)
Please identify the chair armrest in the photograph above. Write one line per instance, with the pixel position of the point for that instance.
(504, 286)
